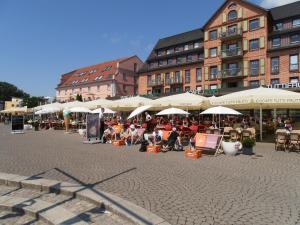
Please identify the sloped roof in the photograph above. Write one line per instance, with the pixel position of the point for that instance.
(181, 38)
(99, 72)
(285, 11)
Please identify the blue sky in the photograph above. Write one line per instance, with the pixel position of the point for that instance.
(42, 39)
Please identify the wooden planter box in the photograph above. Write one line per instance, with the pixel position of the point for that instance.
(118, 142)
(192, 154)
(153, 149)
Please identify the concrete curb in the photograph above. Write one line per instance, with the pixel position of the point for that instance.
(117, 205)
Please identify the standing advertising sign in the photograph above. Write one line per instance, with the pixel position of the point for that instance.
(17, 124)
(92, 128)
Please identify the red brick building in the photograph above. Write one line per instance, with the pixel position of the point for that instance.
(241, 46)
(114, 78)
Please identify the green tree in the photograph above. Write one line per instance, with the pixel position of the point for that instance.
(79, 98)
(7, 91)
(32, 101)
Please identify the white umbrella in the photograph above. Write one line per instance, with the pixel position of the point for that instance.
(80, 110)
(97, 103)
(39, 112)
(220, 110)
(139, 110)
(172, 111)
(106, 111)
(185, 101)
(129, 103)
(73, 104)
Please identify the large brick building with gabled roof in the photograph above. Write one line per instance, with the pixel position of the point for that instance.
(241, 46)
(113, 78)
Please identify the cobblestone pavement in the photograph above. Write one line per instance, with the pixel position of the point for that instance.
(260, 190)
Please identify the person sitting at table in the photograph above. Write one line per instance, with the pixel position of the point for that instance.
(167, 126)
(108, 134)
(130, 135)
(155, 138)
(288, 125)
(174, 137)
(194, 127)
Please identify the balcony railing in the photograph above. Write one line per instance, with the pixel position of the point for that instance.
(231, 73)
(176, 80)
(228, 53)
(231, 34)
(153, 83)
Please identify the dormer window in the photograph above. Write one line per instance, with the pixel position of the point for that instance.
(232, 15)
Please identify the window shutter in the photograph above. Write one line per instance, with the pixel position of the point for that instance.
(262, 21)
(206, 53)
(245, 26)
(224, 29)
(240, 69)
(219, 50)
(245, 45)
(245, 83)
(240, 13)
(262, 82)
(245, 68)
(262, 42)
(219, 70)
(239, 27)
(206, 73)
(205, 36)
(262, 66)
(224, 18)
(219, 31)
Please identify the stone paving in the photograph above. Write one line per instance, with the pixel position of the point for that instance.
(262, 189)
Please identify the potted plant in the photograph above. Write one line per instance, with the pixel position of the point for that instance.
(231, 148)
(248, 144)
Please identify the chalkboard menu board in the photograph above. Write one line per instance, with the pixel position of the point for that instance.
(17, 123)
(92, 127)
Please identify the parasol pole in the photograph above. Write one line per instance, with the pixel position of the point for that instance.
(260, 122)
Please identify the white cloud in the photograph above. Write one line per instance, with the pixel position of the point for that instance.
(273, 3)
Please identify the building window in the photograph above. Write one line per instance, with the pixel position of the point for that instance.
(279, 26)
(187, 89)
(232, 15)
(295, 38)
(158, 78)
(213, 35)
(274, 81)
(232, 30)
(170, 61)
(197, 45)
(149, 79)
(186, 47)
(124, 88)
(296, 22)
(181, 60)
(294, 63)
(170, 51)
(189, 58)
(187, 76)
(276, 42)
(254, 24)
(167, 78)
(153, 64)
(254, 67)
(275, 65)
(198, 88)
(213, 87)
(294, 80)
(254, 83)
(160, 53)
(124, 76)
(213, 72)
(254, 44)
(167, 90)
(233, 69)
(177, 77)
(213, 52)
(198, 74)
(177, 49)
